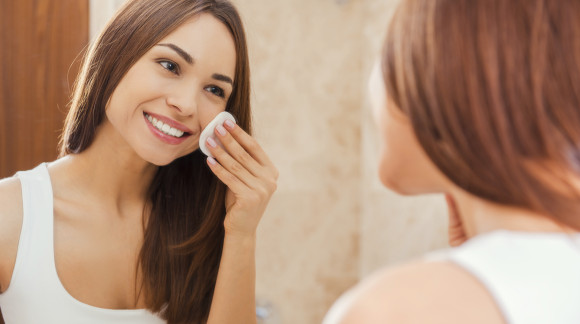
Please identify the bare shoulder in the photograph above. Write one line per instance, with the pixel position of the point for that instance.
(10, 202)
(10, 226)
(421, 292)
(10, 190)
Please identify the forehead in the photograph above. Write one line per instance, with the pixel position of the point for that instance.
(208, 41)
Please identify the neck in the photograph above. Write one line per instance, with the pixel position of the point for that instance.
(108, 170)
(480, 216)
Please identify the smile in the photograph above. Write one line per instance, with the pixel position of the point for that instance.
(164, 128)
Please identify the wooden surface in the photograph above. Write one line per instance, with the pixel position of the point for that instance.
(39, 41)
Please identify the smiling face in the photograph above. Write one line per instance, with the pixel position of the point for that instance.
(176, 88)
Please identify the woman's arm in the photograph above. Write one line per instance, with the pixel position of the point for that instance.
(234, 296)
(251, 179)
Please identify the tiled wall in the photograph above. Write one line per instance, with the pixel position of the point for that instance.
(330, 222)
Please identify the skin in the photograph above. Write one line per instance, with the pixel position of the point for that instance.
(99, 194)
(428, 292)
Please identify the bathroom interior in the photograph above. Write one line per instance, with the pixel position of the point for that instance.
(330, 222)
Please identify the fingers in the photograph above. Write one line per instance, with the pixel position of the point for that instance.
(237, 152)
(229, 164)
(233, 182)
(239, 161)
(249, 145)
(242, 165)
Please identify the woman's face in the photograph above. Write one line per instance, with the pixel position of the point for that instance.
(403, 165)
(174, 90)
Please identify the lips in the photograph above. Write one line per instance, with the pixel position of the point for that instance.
(165, 129)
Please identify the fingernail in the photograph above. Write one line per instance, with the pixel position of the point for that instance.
(229, 124)
(221, 130)
(211, 161)
(211, 142)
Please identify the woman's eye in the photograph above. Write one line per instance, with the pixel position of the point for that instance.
(170, 66)
(216, 91)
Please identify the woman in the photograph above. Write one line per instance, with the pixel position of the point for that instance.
(133, 224)
(480, 99)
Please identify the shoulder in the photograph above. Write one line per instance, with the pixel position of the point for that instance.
(10, 204)
(10, 200)
(421, 292)
(10, 226)
(10, 189)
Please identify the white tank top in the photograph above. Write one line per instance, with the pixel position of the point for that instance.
(534, 278)
(35, 294)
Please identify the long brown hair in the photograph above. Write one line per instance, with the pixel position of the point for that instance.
(492, 89)
(184, 232)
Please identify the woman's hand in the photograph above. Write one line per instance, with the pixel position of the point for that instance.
(249, 174)
(456, 232)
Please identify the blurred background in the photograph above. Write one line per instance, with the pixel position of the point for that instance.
(331, 222)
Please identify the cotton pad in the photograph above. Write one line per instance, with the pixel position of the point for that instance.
(209, 131)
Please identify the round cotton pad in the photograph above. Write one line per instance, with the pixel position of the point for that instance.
(209, 131)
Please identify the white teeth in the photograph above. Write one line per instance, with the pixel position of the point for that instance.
(166, 129)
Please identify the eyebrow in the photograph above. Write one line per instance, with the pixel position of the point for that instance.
(224, 78)
(190, 60)
(180, 52)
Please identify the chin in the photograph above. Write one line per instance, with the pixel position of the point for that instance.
(410, 176)
(408, 185)
(160, 163)
(162, 155)
(398, 187)
(160, 159)
(157, 160)
(409, 190)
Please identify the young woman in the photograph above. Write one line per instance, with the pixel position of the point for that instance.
(133, 224)
(480, 99)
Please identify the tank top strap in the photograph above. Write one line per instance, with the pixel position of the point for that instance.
(533, 277)
(36, 249)
(35, 294)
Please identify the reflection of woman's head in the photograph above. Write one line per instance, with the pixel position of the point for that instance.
(491, 89)
(184, 215)
(137, 27)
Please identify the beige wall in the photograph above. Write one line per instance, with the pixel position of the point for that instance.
(330, 222)
(305, 57)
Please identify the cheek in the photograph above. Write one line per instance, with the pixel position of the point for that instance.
(403, 166)
(395, 160)
(112, 110)
(207, 113)
(140, 83)
(206, 116)
(120, 97)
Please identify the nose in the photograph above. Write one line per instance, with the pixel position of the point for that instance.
(184, 99)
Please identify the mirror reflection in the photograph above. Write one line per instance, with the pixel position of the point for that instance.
(330, 167)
